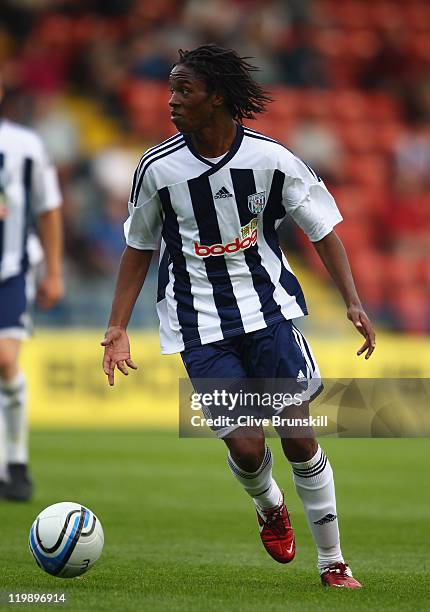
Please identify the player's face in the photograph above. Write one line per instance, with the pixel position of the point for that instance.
(192, 107)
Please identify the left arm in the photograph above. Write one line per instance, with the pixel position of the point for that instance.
(334, 257)
(50, 288)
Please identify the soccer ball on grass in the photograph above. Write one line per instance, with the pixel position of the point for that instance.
(66, 539)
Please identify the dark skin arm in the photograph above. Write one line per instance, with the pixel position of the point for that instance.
(50, 288)
(131, 276)
(334, 257)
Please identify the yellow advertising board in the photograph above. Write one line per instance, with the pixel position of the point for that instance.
(69, 389)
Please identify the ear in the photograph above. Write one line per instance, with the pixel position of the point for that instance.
(217, 99)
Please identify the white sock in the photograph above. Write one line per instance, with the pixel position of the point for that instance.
(260, 484)
(315, 486)
(14, 401)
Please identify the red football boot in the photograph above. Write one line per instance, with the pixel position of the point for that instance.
(339, 575)
(276, 532)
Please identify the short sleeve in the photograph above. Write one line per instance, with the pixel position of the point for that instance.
(143, 227)
(46, 188)
(307, 200)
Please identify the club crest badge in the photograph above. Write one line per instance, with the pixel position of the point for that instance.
(257, 202)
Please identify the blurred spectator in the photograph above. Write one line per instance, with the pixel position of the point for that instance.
(57, 129)
(149, 58)
(259, 35)
(106, 235)
(301, 63)
(213, 20)
(40, 69)
(412, 156)
(112, 171)
(316, 143)
(388, 68)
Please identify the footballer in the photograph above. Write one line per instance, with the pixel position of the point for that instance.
(29, 191)
(211, 198)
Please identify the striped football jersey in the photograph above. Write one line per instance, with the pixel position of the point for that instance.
(28, 187)
(221, 269)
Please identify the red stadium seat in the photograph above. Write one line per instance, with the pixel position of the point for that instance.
(370, 171)
(317, 104)
(420, 46)
(382, 107)
(352, 14)
(331, 42)
(368, 269)
(363, 44)
(385, 14)
(386, 135)
(405, 269)
(417, 15)
(287, 103)
(146, 102)
(350, 105)
(411, 310)
(358, 136)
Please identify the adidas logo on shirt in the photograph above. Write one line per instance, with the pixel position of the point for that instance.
(223, 193)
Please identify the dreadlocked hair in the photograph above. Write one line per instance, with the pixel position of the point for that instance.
(229, 75)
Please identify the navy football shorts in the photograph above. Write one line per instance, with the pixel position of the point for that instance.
(279, 351)
(16, 294)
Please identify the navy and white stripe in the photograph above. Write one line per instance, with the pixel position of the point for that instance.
(28, 188)
(244, 184)
(222, 272)
(27, 181)
(2, 202)
(314, 470)
(306, 350)
(182, 290)
(216, 267)
(273, 213)
(152, 155)
(163, 272)
(258, 136)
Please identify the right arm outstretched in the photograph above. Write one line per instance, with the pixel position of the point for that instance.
(131, 276)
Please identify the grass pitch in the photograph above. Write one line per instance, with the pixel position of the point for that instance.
(180, 534)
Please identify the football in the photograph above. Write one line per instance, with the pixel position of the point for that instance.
(66, 539)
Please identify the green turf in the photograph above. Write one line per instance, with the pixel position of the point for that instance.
(181, 535)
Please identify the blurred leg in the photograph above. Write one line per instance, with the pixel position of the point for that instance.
(14, 400)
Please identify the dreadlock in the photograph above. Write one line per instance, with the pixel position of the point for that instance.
(229, 75)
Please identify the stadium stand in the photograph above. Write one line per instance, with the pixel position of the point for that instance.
(350, 82)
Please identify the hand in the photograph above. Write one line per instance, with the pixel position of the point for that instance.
(50, 289)
(117, 353)
(361, 321)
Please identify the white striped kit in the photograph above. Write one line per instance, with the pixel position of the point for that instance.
(221, 269)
